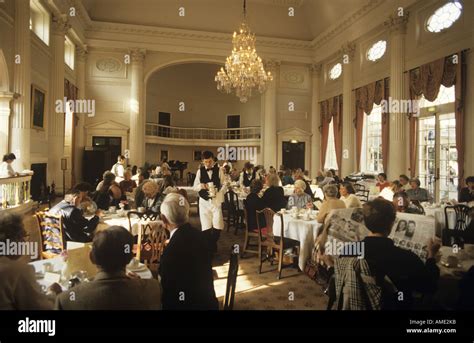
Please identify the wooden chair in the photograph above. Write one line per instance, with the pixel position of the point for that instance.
(358, 187)
(272, 243)
(231, 280)
(248, 235)
(455, 235)
(363, 195)
(191, 177)
(235, 215)
(151, 237)
(53, 240)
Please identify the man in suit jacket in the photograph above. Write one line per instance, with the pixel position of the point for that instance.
(112, 288)
(75, 226)
(185, 266)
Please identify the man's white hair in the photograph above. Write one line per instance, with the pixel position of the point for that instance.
(175, 208)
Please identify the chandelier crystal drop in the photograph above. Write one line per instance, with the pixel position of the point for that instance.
(243, 69)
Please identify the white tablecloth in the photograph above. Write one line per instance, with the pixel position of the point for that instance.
(440, 222)
(58, 264)
(304, 231)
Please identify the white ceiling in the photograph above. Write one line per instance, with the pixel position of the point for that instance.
(266, 17)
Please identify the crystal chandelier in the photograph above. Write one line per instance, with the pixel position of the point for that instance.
(243, 68)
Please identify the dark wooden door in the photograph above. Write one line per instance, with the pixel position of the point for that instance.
(293, 155)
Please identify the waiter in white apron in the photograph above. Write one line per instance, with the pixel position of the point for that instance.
(210, 184)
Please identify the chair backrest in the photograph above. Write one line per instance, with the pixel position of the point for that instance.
(267, 235)
(52, 236)
(147, 231)
(358, 187)
(231, 199)
(462, 216)
(246, 215)
(363, 195)
(231, 280)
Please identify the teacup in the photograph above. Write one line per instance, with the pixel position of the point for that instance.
(112, 209)
(48, 267)
(141, 209)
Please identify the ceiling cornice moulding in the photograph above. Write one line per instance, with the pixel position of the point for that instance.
(162, 32)
(344, 23)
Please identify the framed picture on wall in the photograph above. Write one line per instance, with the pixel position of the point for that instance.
(197, 155)
(38, 100)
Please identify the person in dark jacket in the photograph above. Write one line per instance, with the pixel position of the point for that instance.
(405, 269)
(185, 266)
(254, 203)
(467, 193)
(274, 196)
(76, 228)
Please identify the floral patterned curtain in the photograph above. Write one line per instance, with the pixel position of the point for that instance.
(426, 80)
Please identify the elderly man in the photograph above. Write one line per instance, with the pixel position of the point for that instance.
(76, 227)
(112, 288)
(185, 266)
(418, 193)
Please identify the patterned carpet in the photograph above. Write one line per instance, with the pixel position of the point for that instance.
(254, 291)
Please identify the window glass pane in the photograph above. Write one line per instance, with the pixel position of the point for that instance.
(372, 142)
(331, 162)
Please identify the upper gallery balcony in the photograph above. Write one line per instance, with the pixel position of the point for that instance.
(163, 134)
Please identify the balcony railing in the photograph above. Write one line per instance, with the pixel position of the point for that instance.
(14, 191)
(164, 131)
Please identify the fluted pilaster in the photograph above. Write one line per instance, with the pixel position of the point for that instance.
(137, 113)
(348, 136)
(315, 120)
(270, 148)
(398, 121)
(21, 118)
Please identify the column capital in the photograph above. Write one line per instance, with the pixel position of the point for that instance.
(272, 65)
(60, 24)
(81, 53)
(349, 50)
(397, 23)
(137, 55)
(315, 69)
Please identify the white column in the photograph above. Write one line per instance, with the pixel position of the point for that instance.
(137, 112)
(348, 136)
(81, 59)
(20, 123)
(469, 118)
(398, 121)
(60, 26)
(270, 122)
(5, 110)
(315, 121)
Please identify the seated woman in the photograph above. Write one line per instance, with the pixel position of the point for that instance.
(418, 193)
(331, 202)
(254, 203)
(108, 192)
(287, 179)
(300, 199)
(328, 178)
(167, 185)
(152, 197)
(402, 203)
(347, 192)
(274, 196)
(127, 185)
(382, 181)
(300, 176)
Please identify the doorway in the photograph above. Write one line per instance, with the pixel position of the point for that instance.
(233, 122)
(293, 154)
(164, 119)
